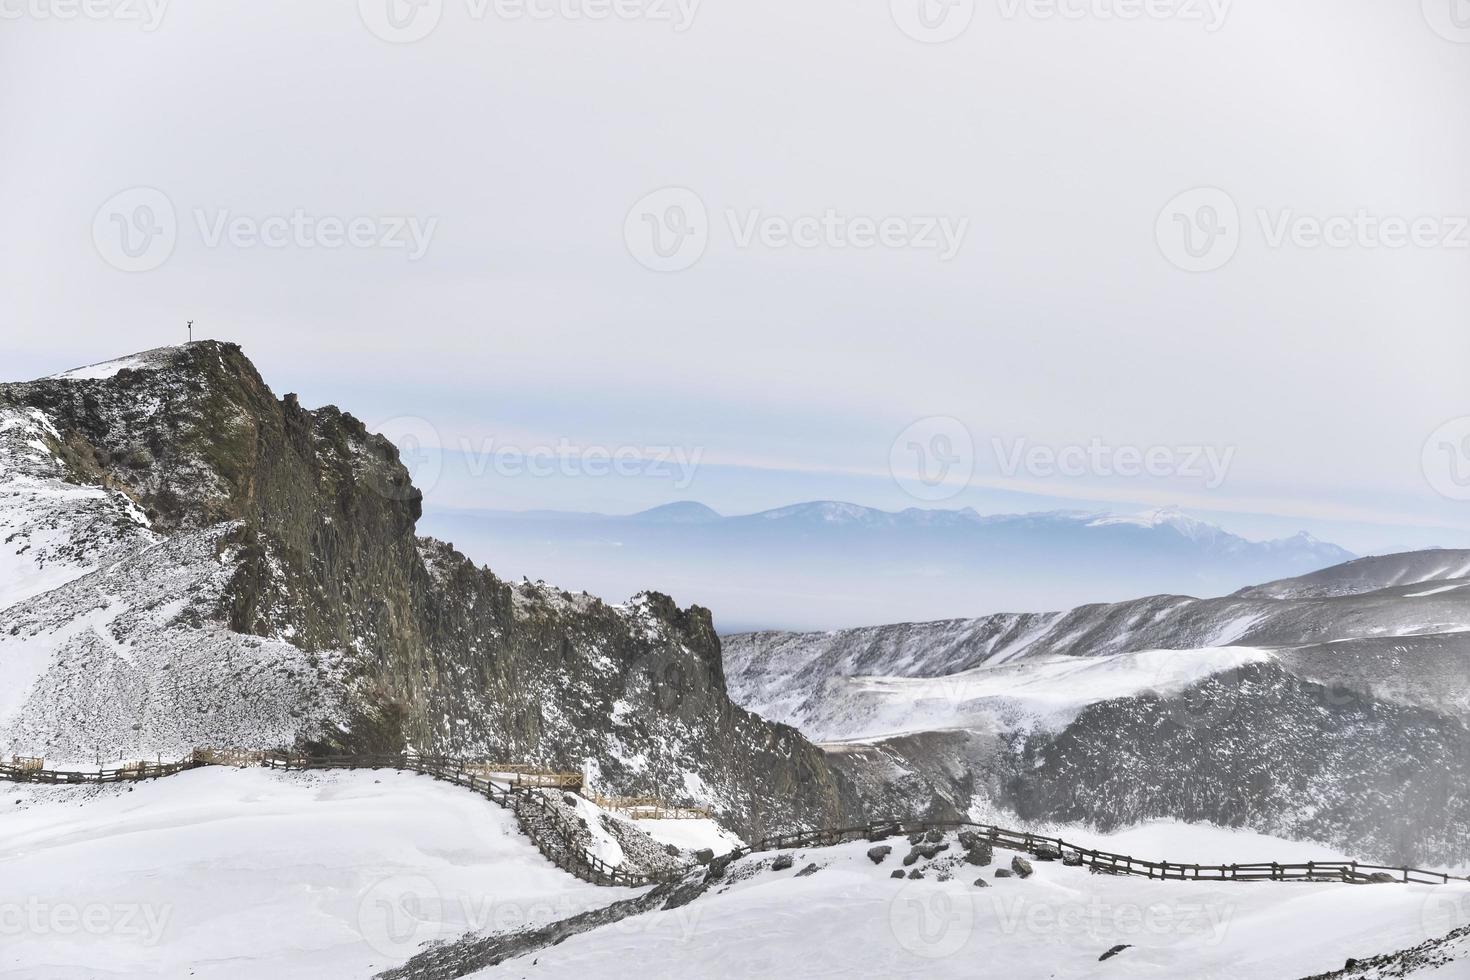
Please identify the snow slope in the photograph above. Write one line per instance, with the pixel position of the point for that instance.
(1023, 695)
(53, 531)
(221, 874)
(851, 919)
(1369, 575)
(131, 651)
(815, 680)
(691, 835)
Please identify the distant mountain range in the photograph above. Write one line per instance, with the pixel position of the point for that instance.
(1331, 706)
(829, 564)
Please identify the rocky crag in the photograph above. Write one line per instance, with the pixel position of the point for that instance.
(189, 560)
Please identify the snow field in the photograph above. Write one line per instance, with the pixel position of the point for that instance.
(851, 919)
(247, 874)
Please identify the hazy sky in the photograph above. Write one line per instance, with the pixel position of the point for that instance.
(773, 236)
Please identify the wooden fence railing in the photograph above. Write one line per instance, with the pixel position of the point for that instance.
(125, 773)
(548, 828)
(1106, 862)
(651, 808)
(239, 758)
(555, 837)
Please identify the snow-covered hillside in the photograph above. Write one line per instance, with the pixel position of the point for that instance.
(835, 913)
(1370, 575)
(221, 874)
(1300, 694)
(52, 530)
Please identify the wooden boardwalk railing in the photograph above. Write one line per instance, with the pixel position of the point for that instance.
(125, 773)
(651, 808)
(1106, 862)
(555, 837)
(548, 827)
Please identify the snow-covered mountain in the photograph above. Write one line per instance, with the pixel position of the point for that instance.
(187, 560)
(1333, 707)
(830, 563)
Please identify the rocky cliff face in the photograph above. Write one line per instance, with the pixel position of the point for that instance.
(260, 581)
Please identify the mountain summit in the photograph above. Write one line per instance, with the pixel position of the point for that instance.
(188, 560)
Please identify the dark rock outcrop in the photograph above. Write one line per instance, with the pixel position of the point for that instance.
(439, 654)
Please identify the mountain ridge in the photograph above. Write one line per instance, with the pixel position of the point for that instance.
(256, 579)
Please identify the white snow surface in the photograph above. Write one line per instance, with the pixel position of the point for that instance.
(851, 919)
(1442, 588)
(52, 531)
(1034, 693)
(220, 874)
(114, 663)
(142, 361)
(225, 874)
(691, 835)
